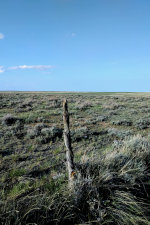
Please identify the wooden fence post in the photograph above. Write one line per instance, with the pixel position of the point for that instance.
(67, 140)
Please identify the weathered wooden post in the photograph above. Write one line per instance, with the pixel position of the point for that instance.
(67, 140)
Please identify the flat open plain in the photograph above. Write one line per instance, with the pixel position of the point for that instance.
(111, 143)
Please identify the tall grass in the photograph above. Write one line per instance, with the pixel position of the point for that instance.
(112, 189)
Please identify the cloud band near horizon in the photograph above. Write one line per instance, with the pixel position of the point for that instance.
(23, 67)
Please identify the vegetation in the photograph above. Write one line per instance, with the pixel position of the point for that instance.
(111, 145)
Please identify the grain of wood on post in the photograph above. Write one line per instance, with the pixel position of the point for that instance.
(67, 140)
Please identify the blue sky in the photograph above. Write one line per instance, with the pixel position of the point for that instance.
(75, 45)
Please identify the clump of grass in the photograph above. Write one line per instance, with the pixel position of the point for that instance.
(119, 133)
(16, 172)
(111, 106)
(124, 208)
(122, 122)
(17, 190)
(143, 123)
(9, 119)
(102, 118)
(35, 131)
(83, 105)
(80, 133)
(43, 133)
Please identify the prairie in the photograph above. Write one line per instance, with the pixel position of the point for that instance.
(111, 145)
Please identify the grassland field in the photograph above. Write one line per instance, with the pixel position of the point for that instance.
(110, 134)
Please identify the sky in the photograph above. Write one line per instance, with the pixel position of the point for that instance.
(75, 45)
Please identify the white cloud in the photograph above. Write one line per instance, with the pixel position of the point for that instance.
(2, 70)
(1, 36)
(37, 67)
(23, 67)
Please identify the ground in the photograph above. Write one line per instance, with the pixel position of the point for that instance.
(32, 151)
